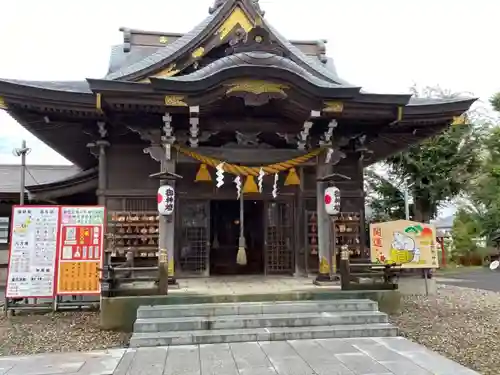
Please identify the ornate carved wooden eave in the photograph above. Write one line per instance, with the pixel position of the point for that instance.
(418, 123)
(55, 109)
(263, 77)
(454, 106)
(432, 112)
(120, 96)
(381, 99)
(45, 97)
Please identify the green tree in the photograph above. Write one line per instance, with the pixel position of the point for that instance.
(385, 200)
(484, 188)
(438, 169)
(495, 102)
(481, 209)
(466, 230)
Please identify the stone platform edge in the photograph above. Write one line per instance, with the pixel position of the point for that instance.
(119, 313)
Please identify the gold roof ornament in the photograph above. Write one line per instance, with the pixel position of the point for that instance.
(237, 17)
(167, 72)
(175, 101)
(3, 105)
(198, 52)
(460, 120)
(257, 87)
(98, 102)
(333, 107)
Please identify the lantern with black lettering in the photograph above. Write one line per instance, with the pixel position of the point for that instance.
(332, 200)
(166, 200)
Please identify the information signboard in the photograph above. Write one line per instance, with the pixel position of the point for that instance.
(80, 250)
(411, 244)
(33, 250)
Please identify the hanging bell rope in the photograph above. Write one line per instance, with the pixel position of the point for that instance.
(240, 170)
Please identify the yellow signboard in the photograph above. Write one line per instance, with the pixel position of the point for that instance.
(79, 277)
(411, 244)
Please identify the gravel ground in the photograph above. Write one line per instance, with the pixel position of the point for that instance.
(460, 323)
(56, 332)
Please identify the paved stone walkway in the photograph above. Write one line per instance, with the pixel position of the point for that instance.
(381, 356)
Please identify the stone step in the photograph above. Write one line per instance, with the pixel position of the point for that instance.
(254, 308)
(258, 321)
(261, 334)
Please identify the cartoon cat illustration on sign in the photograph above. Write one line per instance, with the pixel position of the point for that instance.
(404, 248)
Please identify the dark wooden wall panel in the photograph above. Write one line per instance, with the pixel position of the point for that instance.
(129, 168)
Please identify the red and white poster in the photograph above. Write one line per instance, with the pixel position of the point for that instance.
(80, 250)
(32, 253)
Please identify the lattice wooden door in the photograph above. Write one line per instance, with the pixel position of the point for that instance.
(194, 238)
(279, 229)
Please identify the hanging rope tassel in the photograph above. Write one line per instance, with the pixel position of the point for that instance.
(292, 178)
(241, 257)
(203, 174)
(250, 185)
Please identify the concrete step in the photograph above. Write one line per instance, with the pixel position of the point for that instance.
(258, 321)
(254, 308)
(261, 334)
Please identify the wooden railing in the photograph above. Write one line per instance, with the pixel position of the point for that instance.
(116, 281)
(384, 276)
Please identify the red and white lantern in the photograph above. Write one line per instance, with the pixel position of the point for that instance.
(166, 200)
(332, 200)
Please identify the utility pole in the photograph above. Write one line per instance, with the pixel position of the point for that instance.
(406, 193)
(22, 152)
(407, 203)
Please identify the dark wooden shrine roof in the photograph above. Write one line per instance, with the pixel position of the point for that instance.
(36, 175)
(171, 51)
(140, 77)
(263, 65)
(45, 182)
(168, 54)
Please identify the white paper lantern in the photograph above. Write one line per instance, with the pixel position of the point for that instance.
(166, 200)
(332, 200)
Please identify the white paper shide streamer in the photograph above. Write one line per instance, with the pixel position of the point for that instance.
(260, 179)
(220, 174)
(329, 154)
(237, 181)
(275, 186)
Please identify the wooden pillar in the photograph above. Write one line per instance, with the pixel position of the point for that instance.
(170, 232)
(167, 225)
(102, 183)
(365, 250)
(323, 169)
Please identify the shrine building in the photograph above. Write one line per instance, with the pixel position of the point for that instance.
(233, 93)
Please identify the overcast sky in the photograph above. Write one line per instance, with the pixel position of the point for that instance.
(383, 45)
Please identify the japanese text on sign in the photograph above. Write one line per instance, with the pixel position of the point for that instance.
(81, 250)
(377, 236)
(33, 251)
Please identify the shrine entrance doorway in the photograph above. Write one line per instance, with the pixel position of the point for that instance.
(224, 234)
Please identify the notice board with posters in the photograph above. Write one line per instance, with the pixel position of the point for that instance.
(411, 244)
(81, 250)
(32, 252)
